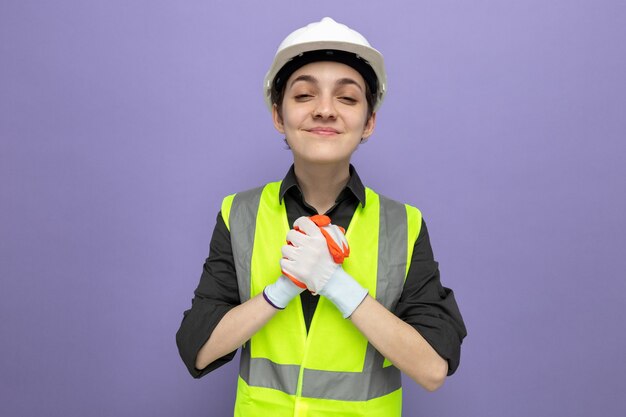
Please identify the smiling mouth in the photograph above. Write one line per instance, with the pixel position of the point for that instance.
(323, 131)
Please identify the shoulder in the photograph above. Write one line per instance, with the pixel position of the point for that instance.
(395, 210)
(391, 203)
(248, 200)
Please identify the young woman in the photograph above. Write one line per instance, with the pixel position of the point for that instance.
(327, 321)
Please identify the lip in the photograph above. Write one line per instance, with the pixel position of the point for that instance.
(323, 131)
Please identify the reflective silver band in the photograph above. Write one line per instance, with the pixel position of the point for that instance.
(242, 225)
(375, 381)
(262, 372)
(392, 252)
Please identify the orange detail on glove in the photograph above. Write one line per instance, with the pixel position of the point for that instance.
(338, 254)
(320, 220)
(291, 277)
(294, 280)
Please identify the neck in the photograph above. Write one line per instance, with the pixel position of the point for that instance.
(321, 185)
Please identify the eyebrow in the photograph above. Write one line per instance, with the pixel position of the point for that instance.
(348, 81)
(313, 80)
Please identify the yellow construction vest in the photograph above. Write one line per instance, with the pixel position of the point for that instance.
(332, 370)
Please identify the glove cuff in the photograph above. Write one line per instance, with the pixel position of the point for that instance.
(281, 292)
(344, 291)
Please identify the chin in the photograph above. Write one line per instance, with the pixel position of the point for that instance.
(323, 159)
(324, 156)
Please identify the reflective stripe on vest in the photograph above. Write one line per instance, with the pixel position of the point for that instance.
(396, 236)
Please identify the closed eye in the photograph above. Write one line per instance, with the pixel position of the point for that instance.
(348, 100)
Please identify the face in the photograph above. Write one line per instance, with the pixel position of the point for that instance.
(324, 113)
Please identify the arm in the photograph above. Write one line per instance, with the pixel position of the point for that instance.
(216, 294)
(429, 307)
(423, 335)
(217, 324)
(400, 343)
(234, 329)
(243, 321)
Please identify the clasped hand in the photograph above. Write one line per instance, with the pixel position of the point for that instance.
(312, 259)
(314, 251)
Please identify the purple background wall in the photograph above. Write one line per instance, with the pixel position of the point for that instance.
(123, 123)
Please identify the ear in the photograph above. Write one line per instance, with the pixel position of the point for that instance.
(277, 119)
(369, 126)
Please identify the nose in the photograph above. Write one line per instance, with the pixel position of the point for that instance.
(325, 108)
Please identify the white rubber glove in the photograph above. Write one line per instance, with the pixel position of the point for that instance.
(281, 292)
(306, 256)
(308, 260)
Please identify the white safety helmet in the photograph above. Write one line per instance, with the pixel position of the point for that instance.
(328, 40)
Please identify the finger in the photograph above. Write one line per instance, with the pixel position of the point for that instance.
(289, 252)
(335, 233)
(341, 239)
(285, 265)
(337, 243)
(294, 280)
(340, 235)
(334, 249)
(296, 238)
(307, 226)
